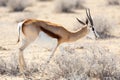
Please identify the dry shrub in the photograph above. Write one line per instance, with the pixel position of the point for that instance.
(92, 62)
(113, 2)
(3, 2)
(103, 26)
(18, 5)
(9, 66)
(45, 0)
(2, 48)
(75, 62)
(67, 5)
(80, 4)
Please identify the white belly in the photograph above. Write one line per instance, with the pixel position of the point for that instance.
(46, 41)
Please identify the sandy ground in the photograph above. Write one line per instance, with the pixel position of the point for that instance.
(44, 11)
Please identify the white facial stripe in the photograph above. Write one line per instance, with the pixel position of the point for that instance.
(91, 34)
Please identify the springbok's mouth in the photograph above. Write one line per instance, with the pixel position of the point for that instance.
(96, 35)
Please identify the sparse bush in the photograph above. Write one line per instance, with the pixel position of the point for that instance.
(113, 2)
(9, 66)
(92, 62)
(75, 62)
(79, 4)
(103, 26)
(2, 48)
(67, 5)
(18, 5)
(3, 2)
(44, 0)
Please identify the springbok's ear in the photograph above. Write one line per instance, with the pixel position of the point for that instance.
(80, 21)
(86, 21)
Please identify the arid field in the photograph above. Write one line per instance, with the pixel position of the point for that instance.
(84, 59)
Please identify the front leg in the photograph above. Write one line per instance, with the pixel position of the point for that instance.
(49, 59)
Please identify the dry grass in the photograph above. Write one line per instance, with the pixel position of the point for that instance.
(45, 0)
(3, 2)
(80, 4)
(94, 62)
(113, 2)
(18, 5)
(103, 26)
(68, 6)
(9, 66)
(74, 62)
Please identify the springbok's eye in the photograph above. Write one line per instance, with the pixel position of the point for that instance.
(93, 29)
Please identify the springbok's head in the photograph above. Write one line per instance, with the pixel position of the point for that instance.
(90, 24)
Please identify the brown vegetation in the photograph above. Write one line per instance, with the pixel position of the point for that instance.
(18, 5)
(113, 2)
(68, 6)
(103, 26)
(3, 2)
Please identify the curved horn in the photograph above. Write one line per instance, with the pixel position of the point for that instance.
(91, 21)
(80, 21)
(89, 16)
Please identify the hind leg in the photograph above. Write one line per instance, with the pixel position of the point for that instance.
(22, 64)
(30, 34)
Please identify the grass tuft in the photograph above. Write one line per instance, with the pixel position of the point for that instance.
(68, 6)
(18, 5)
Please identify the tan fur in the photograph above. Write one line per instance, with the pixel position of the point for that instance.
(31, 29)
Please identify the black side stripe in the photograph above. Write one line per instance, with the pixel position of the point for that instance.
(50, 33)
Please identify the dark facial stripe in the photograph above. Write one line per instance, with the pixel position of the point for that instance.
(93, 29)
(94, 32)
(50, 33)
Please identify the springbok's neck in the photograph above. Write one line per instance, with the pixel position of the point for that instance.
(79, 34)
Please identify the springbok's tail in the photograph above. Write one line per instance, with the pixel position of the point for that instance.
(19, 29)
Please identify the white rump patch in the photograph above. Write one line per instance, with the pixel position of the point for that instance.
(20, 24)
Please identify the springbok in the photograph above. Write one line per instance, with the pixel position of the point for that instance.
(32, 27)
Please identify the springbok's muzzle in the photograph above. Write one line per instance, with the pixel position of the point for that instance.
(95, 33)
